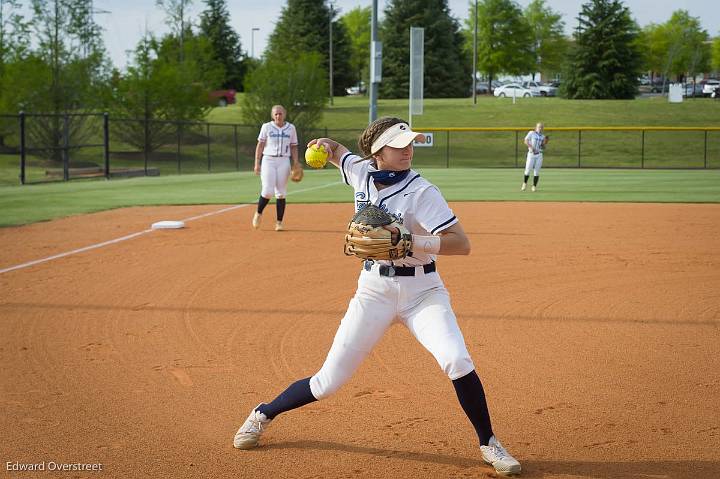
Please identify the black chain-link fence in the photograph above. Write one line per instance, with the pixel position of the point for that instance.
(42, 147)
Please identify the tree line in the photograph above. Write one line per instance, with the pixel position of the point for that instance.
(54, 60)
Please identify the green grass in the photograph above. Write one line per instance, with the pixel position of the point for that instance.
(32, 203)
(352, 112)
(346, 119)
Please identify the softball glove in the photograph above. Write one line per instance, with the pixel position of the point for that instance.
(375, 234)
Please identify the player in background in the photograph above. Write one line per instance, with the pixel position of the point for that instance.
(277, 144)
(409, 290)
(535, 141)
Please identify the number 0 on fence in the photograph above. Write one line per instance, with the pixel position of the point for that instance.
(429, 137)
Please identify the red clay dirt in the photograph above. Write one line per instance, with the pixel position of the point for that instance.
(595, 329)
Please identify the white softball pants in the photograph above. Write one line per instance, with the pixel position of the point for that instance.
(274, 175)
(419, 302)
(533, 162)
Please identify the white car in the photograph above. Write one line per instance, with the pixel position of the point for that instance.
(710, 86)
(540, 88)
(513, 89)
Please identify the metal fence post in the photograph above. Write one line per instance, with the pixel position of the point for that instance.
(106, 142)
(705, 154)
(22, 147)
(237, 157)
(66, 147)
(579, 143)
(642, 153)
(447, 149)
(516, 148)
(207, 129)
(179, 141)
(147, 143)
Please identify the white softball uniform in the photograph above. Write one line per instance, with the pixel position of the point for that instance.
(534, 161)
(275, 164)
(419, 302)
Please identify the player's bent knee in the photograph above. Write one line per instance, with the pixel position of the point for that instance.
(458, 367)
(322, 385)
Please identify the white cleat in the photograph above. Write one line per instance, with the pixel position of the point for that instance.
(279, 226)
(249, 433)
(534, 189)
(522, 188)
(498, 457)
(256, 220)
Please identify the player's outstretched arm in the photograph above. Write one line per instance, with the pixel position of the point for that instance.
(335, 149)
(454, 241)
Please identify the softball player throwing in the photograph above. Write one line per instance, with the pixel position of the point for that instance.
(535, 141)
(409, 290)
(277, 143)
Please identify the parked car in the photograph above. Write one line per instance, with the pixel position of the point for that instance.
(709, 86)
(513, 89)
(358, 89)
(481, 87)
(222, 97)
(540, 88)
(693, 89)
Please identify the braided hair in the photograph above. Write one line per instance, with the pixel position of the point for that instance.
(373, 131)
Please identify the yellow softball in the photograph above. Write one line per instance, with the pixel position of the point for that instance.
(316, 156)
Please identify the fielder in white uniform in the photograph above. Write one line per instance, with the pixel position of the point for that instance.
(409, 291)
(535, 141)
(277, 144)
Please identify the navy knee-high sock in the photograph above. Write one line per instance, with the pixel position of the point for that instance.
(470, 392)
(262, 203)
(535, 180)
(526, 178)
(296, 395)
(280, 208)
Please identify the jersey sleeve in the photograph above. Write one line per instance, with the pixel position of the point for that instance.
(352, 169)
(528, 136)
(293, 136)
(432, 211)
(263, 133)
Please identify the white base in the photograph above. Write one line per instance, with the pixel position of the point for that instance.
(164, 225)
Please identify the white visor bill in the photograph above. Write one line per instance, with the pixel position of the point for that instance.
(397, 136)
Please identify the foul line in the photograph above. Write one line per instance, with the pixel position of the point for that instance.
(144, 232)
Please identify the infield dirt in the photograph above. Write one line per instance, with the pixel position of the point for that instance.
(594, 327)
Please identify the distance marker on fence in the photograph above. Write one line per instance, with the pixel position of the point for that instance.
(429, 139)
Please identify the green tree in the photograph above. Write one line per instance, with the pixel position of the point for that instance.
(140, 96)
(14, 42)
(357, 25)
(505, 42)
(716, 54)
(688, 51)
(549, 45)
(177, 18)
(304, 26)
(605, 61)
(69, 71)
(299, 84)
(446, 71)
(654, 48)
(224, 41)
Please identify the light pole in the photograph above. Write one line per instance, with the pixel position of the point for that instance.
(252, 41)
(332, 11)
(474, 84)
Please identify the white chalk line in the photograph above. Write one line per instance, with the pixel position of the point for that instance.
(144, 232)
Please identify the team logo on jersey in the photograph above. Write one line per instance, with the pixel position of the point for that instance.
(360, 195)
(360, 205)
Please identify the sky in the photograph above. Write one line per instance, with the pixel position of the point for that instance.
(125, 21)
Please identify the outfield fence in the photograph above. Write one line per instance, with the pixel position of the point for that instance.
(42, 147)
